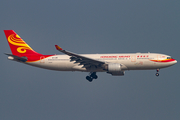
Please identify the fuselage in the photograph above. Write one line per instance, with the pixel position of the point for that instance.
(114, 64)
(132, 61)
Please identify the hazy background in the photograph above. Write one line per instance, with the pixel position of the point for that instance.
(90, 26)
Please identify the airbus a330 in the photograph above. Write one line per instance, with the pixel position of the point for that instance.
(114, 64)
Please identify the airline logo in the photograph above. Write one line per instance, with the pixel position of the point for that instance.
(20, 48)
(16, 40)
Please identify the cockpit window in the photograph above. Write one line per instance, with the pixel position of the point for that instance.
(169, 58)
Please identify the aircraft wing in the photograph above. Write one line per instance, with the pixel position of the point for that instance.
(82, 60)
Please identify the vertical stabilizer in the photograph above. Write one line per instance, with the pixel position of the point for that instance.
(18, 46)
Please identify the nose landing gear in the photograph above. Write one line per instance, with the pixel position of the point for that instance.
(157, 74)
(92, 76)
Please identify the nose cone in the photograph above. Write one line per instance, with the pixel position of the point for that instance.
(175, 61)
(172, 62)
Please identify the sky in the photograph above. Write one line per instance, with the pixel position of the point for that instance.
(84, 27)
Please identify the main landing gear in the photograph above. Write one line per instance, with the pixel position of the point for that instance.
(91, 76)
(157, 74)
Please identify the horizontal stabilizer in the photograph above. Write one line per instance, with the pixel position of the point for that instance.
(16, 58)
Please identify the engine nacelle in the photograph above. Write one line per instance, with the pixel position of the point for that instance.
(115, 69)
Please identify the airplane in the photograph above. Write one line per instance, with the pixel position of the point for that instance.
(114, 64)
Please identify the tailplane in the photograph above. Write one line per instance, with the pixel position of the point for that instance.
(18, 46)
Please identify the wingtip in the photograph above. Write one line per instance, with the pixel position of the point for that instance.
(58, 48)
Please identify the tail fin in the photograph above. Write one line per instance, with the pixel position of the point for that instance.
(18, 46)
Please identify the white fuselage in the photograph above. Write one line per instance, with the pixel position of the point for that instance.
(134, 61)
(114, 64)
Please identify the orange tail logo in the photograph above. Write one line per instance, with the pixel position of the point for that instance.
(18, 46)
(17, 41)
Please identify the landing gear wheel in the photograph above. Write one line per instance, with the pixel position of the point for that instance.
(95, 76)
(89, 78)
(157, 74)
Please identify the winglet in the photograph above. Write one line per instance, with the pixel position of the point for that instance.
(58, 48)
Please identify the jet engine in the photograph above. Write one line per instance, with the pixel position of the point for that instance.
(114, 69)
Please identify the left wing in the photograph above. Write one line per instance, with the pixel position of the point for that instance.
(82, 60)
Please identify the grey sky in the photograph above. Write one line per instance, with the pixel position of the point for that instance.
(90, 26)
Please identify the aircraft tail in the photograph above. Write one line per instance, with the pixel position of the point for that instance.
(18, 46)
